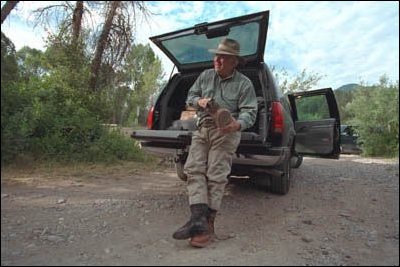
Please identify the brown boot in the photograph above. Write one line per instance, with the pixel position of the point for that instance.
(197, 225)
(202, 240)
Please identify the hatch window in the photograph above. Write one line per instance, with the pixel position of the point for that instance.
(193, 48)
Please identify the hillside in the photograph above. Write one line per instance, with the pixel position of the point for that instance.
(348, 87)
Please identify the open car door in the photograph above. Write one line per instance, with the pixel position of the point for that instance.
(317, 123)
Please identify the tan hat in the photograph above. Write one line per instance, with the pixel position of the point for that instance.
(227, 47)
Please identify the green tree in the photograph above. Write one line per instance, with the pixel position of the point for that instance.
(51, 114)
(109, 42)
(302, 81)
(140, 78)
(9, 66)
(376, 115)
(116, 36)
(13, 103)
(31, 63)
(343, 98)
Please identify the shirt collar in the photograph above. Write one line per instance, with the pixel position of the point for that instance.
(227, 78)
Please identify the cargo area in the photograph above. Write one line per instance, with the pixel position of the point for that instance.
(170, 110)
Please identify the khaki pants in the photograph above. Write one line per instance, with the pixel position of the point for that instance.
(208, 165)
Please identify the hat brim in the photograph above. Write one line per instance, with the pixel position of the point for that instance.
(216, 51)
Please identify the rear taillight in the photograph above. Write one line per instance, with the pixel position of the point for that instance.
(150, 118)
(277, 118)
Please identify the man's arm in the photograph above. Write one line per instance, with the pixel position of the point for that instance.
(195, 93)
(247, 106)
(247, 110)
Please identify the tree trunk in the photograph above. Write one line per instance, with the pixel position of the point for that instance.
(101, 45)
(6, 9)
(77, 21)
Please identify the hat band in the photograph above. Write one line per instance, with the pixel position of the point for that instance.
(227, 49)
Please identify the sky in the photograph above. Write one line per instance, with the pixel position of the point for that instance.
(344, 42)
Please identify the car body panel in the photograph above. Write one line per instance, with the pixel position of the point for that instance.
(349, 142)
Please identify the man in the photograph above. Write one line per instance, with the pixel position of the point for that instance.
(213, 144)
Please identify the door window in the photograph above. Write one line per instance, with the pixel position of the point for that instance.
(312, 108)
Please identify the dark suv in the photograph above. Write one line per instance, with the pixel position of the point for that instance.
(287, 127)
(349, 143)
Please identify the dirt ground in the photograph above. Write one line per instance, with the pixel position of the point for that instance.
(337, 212)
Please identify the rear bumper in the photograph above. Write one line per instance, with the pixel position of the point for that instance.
(272, 157)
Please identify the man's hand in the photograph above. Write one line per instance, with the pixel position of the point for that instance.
(234, 126)
(202, 102)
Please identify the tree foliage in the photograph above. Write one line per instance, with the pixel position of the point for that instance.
(9, 66)
(376, 115)
(145, 76)
(342, 99)
(373, 109)
(15, 108)
(302, 81)
(48, 111)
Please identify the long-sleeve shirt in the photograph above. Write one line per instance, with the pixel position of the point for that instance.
(235, 93)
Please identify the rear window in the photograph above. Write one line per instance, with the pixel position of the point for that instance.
(194, 48)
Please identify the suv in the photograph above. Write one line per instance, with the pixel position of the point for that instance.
(287, 127)
(349, 143)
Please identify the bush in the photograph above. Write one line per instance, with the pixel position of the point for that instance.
(16, 121)
(112, 146)
(49, 121)
(376, 115)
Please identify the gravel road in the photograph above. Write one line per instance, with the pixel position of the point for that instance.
(337, 212)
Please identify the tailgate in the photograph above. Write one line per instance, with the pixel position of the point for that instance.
(250, 142)
(181, 136)
(163, 138)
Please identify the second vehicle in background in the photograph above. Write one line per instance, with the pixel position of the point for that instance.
(349, 143)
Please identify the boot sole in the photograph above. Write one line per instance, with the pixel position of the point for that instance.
(200, 241)
(199, 244)
(190, 234)
(223, 118)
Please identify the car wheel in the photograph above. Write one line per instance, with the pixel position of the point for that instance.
(296, 161)
(179, 170)
(281, 184)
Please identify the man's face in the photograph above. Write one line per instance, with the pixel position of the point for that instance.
(224, 64)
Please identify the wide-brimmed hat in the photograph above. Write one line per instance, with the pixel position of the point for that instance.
(228, 47)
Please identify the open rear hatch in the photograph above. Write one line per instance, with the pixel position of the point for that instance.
(188, 48)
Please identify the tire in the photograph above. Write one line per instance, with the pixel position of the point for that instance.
(296, 161)
(281, 184)
(179, 170)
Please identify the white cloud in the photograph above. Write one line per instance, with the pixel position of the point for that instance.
(345, 41)
(22, 34)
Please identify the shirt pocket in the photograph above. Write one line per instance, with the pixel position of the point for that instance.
(208, 92)
(231, 91)
(230, 99)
